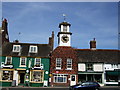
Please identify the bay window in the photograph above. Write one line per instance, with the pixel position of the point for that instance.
(37, 76)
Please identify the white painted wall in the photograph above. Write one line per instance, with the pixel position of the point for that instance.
(81, 67)
(98, 67)
(111, 66)
(15, 77)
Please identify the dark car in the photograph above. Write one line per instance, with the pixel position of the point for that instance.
(86, 86)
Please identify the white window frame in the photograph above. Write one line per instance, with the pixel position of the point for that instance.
(16, 48)
(56, 78)
(58, 63)
(33, 49)
(35, 63)
(7, 59)
(69, 64)
(21, 61)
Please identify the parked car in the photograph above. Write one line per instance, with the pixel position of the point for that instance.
(86, 86)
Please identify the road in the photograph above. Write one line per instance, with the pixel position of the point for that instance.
(37, 88)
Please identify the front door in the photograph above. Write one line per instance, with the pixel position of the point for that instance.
(21, 77)
(73, 80)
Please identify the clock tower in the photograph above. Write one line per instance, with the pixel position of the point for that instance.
(64, 36)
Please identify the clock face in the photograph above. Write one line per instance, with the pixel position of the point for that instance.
(65, 38)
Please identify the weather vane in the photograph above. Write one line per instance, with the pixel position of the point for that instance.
(64, 15)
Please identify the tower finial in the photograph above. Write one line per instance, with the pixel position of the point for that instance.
(64, 15)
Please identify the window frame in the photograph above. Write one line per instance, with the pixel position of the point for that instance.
(57, 76)
(21, 61)
(69, 63)
(18, 48)
(31, 76)
(6, 60)
(33, 49)
(58, 63)
(89, 67)
(36, 62)
(1, 76)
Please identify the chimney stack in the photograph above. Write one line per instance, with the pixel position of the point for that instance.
(51, 40)
(5, 36)
(93, 44)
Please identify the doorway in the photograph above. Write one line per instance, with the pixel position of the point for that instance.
(21, 77)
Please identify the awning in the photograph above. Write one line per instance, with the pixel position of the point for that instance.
(114, 73)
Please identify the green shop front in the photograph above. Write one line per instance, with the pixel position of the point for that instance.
(24, 71)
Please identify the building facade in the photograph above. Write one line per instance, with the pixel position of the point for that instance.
(63, 67)
(36, 65)
(25, 64)
(100, 65)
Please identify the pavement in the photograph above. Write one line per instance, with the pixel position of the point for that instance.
(55, 88)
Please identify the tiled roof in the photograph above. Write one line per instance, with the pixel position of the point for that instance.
(99, 55)
(43, 50)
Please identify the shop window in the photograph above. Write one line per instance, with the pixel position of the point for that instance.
(69, 63)
(98, 78)
(111, 78)
(58, 63)
(7, 75)
(8, 60)
(59, 78)
(37, 76)
(89, 67)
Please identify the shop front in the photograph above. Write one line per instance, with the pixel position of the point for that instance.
(112, 78)
(95, 77)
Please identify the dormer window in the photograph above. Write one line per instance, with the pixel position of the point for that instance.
(16, 48)
(33, 49)
(64, 28)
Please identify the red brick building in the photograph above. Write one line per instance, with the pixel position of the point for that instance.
(64, 64)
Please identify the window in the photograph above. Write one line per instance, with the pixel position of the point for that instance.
(58, 63)
(37, 62)
(69, 63)
(33, 49)
(89, 67)
(60, 78)
(16, 48)
(114, 65)
(8, 60)
(7, 75)
(22, 61)
(64, 28)
(37, 76)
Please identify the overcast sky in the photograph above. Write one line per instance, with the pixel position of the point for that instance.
(36, 21)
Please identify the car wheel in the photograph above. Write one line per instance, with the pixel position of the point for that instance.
(97, 89)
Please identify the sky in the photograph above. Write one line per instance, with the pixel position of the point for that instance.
(33, 22)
